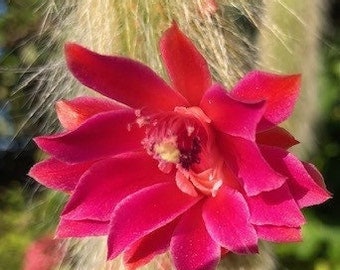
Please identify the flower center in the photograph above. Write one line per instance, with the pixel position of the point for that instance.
(173, 138)
(181, 139)
(167, 150)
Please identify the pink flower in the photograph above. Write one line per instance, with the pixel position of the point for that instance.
(43, 254)
(189, 168)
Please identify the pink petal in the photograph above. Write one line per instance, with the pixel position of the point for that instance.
(279, 234)
(276, 136)
(226, 217)
(231, 116)
(188, 70)
(108, 182)
(81, 228)
(248, 164)
(144, 212)
(280, 93)
(275, 207)
(315, 174)
(55, 174)
(103, 135)
(43, 253)
(184, 184)
(144, 250)
(121, 79)
(305, 189)
(191, 245)
(72, 113)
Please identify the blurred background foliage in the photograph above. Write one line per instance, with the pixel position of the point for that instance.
(24, 213)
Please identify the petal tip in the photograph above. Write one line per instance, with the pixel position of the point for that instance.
(40, 141)
(32, 172)
(71, 48)
(75, 56)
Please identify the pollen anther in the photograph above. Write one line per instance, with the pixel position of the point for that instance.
(167, 150)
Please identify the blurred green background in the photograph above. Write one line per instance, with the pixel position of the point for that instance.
(24, 213)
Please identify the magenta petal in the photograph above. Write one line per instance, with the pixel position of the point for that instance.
(226, 217)
(305, 189)
(109, 181)
(101, 136)
(276, 136)
(81, 228)
(275, 207)
(72, 113)
(145, 211)
(280, 93)
(191, 246)
(188, 70)
(251, 168)
(121, 79)
(279, 233)
(58, 175)
(149, 246)
(314, 174)
(231, 116)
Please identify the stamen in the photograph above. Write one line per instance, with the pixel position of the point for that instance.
(190, 155)
(168, 151)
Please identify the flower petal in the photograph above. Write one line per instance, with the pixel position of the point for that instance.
(280, 93)
(279, 233)
(184, 184)
(81, 228)
(248, 164)
(315, 174)
(232, 116)
(305, 189)
(275, 207)
(191, 245)
(276, 136)
(72, 113)
(226, 217)
(108, 182)
(58, 175)
(144, 250)
(121, 79)
(101, 136)
(145, 211)
(188, 70)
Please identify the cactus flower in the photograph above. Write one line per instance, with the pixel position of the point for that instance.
(186, 166)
